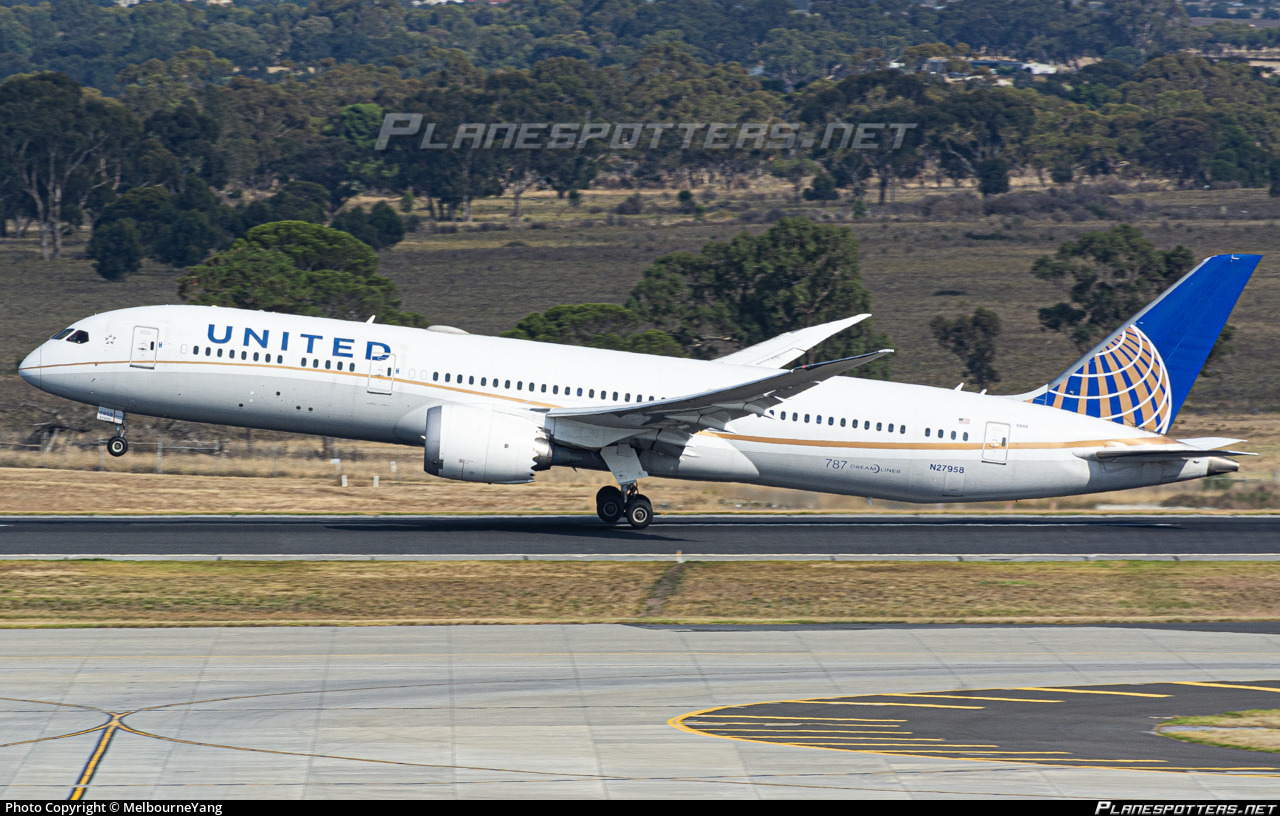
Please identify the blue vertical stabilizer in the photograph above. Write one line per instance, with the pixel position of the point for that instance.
(1142, 373)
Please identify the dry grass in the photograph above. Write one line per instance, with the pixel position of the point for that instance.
(979, 592)
(200, 593)
(49, 491)
(1255, 730)
(114, 593)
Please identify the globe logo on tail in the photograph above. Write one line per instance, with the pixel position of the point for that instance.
(1124, 382)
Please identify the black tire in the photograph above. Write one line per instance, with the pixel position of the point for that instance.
(609, 504)
(639, 513)
(117, 446)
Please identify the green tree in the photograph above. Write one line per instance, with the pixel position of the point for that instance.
(973, 340)
(745, 291)
(823, 189)
(116, 249)
(1111, 275)
(312, 246)
(596, 325)
(298, 268)
(61, 144)
(993, 176)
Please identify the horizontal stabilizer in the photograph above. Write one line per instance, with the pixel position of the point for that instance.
(1182, 449)
(778, 351)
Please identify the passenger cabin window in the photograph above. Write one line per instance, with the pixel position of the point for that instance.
(80, 336)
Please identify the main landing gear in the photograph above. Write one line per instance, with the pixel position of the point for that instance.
(612, 505)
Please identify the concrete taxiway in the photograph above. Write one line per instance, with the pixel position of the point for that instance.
(966, 537)
(613, 711)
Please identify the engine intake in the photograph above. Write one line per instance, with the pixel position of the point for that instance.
(478, 444)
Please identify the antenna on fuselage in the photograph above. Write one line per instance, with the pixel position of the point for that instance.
(371, 317)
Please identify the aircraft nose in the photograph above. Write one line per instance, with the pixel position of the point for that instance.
(30, 368)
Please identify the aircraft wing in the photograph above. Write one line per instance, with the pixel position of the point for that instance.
(714, 409)
(778, 351)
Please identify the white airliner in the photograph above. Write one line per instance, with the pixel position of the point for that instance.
(490, 409)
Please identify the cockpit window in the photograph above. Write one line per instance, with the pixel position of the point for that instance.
(62, 334)
(80, 336)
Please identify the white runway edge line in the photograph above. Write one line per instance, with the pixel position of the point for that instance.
(678, 557)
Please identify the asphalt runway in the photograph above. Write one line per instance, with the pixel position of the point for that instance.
(972, 537)
(628, 712)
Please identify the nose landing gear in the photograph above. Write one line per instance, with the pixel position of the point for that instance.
(118, 445)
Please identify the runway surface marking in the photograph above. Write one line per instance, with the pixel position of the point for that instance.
(1113, 732)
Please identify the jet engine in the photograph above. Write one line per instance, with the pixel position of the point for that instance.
(478, 444)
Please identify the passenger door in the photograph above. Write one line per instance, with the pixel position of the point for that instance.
(995, 446)
(382, 375)
(143, 352)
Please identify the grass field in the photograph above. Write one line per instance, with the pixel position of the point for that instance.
(1256, 730)
(209, 593)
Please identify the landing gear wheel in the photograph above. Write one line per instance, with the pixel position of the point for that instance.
(117, 446)
(609, 504)
(639, 512)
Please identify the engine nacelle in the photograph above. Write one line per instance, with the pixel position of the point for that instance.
(478, 444)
